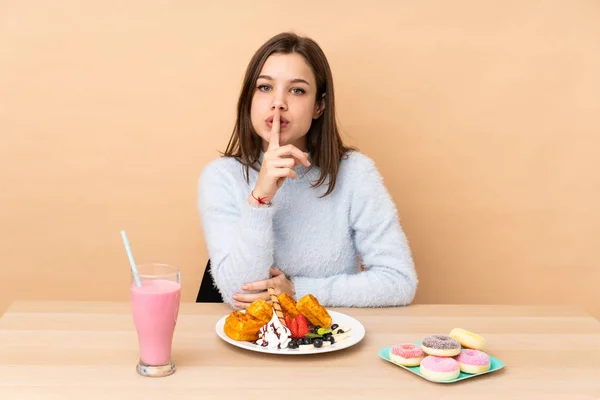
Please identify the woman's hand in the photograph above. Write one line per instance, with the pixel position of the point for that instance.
(279, 282)
(277, 165)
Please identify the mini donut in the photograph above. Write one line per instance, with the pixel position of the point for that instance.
(439, 368)
(468, 339)
(407, 354)
(440, 345)
(473, 361)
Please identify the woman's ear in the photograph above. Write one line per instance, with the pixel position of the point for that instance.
(319, 107)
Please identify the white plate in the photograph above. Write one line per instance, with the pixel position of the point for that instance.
(355, 334)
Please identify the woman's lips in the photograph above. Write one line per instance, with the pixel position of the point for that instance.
(281, 126)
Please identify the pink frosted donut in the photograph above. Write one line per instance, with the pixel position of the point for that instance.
(437, 368)
(473, 361)
(407, 354)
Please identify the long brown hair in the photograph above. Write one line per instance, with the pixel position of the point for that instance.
(323, 138)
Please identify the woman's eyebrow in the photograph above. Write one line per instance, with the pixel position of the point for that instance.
(296, 80)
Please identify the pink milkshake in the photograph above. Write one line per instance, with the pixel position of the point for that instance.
(155, 306)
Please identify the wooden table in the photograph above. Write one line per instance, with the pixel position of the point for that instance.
(87, 350)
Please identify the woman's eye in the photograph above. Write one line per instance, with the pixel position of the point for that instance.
(264, 88)
(298, 91)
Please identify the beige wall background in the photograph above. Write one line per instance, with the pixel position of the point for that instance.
(483, 117)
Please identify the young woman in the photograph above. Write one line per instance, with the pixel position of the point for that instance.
(289, 205)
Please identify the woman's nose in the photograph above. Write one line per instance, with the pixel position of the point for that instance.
(279, 102)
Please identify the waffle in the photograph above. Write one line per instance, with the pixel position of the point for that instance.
(314, 312)
(288, 305)
(245, 326)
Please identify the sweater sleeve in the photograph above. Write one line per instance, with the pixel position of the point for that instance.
(239, 237)
(389, 278)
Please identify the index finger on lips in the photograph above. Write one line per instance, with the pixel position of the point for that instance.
(275, 126)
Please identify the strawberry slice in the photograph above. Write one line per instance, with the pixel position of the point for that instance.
(302, 325)
(293, 327)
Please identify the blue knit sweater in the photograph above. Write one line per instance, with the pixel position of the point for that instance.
(318, 243)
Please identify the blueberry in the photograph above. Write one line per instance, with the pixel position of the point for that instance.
(306, 341)
(330, 338)
(292, 345)
(334, 326)
(327, 335)
(313, 330)
(340, 331)
(317, 328)
(300, 341)
(318, 343)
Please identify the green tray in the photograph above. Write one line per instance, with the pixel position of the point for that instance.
(495, 366)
